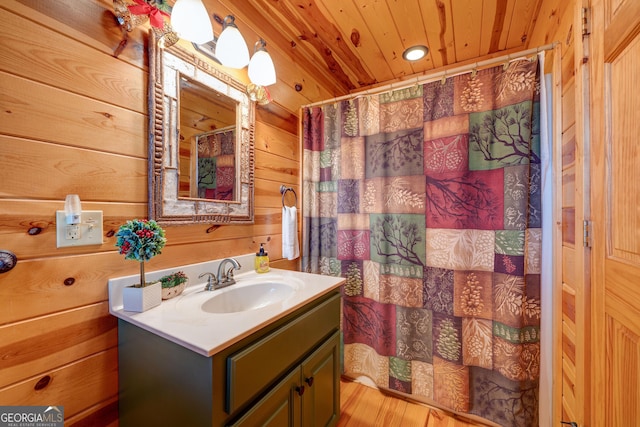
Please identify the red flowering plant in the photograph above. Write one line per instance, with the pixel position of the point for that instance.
(140, 240)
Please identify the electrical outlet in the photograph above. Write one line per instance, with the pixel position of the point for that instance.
(88, 232)
(72, 232)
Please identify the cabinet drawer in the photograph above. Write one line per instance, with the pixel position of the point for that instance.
(251, 370)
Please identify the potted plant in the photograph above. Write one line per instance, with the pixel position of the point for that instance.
(141, 240)
(173, 284)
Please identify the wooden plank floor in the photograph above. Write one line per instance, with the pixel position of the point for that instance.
(363, 406)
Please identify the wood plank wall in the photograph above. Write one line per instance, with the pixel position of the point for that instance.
(73, 119)
(565, 26)
(569, 285)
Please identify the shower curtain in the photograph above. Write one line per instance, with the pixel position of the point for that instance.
(427, 200)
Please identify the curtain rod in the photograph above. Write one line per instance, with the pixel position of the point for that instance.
(437, 75)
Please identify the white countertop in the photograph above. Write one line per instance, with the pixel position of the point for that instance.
(182, 321)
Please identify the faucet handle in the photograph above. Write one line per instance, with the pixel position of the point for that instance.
(212, 281)
(227, 277)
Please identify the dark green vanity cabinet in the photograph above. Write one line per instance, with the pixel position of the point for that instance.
(286, 374)
(307, 396)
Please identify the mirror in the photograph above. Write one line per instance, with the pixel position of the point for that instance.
(207, 143)
(201, 130)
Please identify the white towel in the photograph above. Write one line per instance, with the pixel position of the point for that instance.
(290, 246)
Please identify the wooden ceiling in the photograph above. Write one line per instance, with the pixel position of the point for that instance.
(349, 45)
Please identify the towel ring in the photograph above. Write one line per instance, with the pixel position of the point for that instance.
(283, 191)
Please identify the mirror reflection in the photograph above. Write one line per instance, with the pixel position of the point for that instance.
(207, 142)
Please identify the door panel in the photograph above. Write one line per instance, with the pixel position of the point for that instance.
(573, 313)
(616, 197)
(279, 408)
(622, 144)
(321, 402)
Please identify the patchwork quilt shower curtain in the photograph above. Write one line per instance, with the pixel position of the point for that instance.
(427, 200)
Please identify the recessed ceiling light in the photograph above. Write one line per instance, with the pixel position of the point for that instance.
(415, 52)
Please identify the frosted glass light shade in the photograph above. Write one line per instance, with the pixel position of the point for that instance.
(231, 49)
(261, 69)
(72, 209)
(189, 18)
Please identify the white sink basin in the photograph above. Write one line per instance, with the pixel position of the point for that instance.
(245, 298)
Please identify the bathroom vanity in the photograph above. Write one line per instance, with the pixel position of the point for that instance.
(234, 365)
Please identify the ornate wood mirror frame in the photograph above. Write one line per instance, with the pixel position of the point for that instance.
(166, 67)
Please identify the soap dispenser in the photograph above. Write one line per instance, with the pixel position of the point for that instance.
(262, 260)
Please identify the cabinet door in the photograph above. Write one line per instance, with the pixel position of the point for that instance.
(321, 379)
(279, 408)
(251, 370)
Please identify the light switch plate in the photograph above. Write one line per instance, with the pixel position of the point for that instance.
(88, 232)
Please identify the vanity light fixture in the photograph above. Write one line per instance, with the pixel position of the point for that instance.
(261, 69)
(189, 18)
(231, 49)
(415, 53)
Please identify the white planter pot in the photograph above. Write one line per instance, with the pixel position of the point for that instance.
(142, 299)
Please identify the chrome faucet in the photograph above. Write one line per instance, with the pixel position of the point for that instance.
(225, 278)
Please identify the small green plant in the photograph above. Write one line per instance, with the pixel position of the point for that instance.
(173, 279)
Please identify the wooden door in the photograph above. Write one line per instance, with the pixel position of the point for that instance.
(615, 199)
